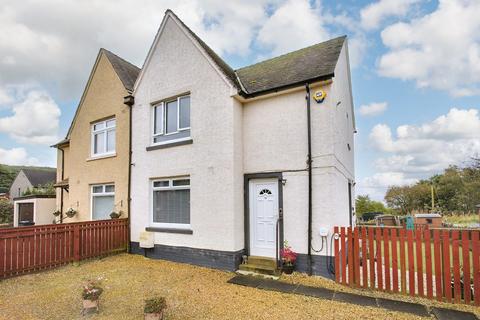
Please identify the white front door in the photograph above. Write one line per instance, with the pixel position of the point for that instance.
(263, 195)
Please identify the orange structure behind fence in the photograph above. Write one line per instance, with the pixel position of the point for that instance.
(442, 264)
(29, 249)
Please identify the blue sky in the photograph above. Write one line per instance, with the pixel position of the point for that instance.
(415, 69)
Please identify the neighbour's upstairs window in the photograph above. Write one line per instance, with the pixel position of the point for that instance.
(171, 120)
(103, 138)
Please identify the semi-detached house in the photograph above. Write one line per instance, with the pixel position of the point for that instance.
(231, 163)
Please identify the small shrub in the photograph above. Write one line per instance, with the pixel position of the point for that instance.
(155, 305)
(288, 255)
(92, 291)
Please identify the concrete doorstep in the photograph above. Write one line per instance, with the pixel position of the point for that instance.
(322, 293)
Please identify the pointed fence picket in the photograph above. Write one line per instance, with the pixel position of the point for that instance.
(30, 249)
(441, 264)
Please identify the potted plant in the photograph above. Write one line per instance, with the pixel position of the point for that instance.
(116, 215)
(56, 213)
(71, 212)
(91, 294)
(154, 308)
(288, 258)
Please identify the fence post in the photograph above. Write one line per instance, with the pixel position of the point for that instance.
(76, 242)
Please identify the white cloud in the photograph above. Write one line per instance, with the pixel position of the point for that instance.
(34, 119)
(440, 50)
(373, 109)
(418, 151)
(17, 156)
(294, 24)
(375, 13)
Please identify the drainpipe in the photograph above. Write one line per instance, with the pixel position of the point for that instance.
(61, 188)
(309, 166)
(129, 101)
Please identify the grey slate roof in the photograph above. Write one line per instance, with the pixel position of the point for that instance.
(316, 62)
(40, 176)
(126, 71)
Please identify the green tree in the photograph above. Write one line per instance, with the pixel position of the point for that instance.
(364, 204)
(6, 211)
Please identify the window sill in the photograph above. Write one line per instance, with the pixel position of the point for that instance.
(112, 155)
(169, 144)
(169, 230)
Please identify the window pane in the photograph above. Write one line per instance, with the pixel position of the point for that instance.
(99, 143)
(171, 116)
(158, 184)
(98, 126)
(111, 123)
(182, 182)
(111, 140)
(158, 121)
(171, 206)
(185, 112)
(102, 207)
(110, 188)
(98, 189)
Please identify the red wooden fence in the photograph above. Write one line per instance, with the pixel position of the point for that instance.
(436, 264)
(29, 249)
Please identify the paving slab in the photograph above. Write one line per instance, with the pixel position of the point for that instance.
(449, 314)
(279, 286)
(247, 281)
(401, 306)
(355, 299)
(315, 292)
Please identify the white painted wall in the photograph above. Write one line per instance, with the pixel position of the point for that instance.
(233, 138)
(43, 209)
(212, 161)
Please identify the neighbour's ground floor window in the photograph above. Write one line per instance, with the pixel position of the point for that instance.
(103, 201)
(171, 203)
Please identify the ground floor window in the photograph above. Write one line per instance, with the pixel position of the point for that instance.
(171, 202)
(25, 213)
(103, 201)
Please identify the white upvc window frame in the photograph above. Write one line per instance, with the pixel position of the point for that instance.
(101, 194)
(163, 131)
(104, 130)
(181, 226)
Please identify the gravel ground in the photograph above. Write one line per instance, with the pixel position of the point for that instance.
(191, 293)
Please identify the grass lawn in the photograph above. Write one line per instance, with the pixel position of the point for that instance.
(191, 293)
(462, 220)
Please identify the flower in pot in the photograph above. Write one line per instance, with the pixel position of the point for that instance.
(116, 215)
(154, 308)
(91, 294)
(289, 257)
(57, 213)
(71, 212)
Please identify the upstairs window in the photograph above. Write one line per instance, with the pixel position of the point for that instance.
(103, 138)
(171, 120)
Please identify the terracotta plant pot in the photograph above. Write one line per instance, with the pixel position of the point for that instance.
(153, 316)
(89, 305)
(288, 269)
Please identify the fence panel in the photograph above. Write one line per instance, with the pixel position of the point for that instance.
(29, 249)
(437, 264)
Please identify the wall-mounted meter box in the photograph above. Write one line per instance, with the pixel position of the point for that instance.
(323, 232)
(146, 239)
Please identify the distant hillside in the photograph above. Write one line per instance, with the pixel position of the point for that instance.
(8, 174)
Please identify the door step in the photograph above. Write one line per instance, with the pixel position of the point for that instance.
(260, 265)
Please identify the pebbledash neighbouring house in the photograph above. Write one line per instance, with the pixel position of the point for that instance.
(230, 163)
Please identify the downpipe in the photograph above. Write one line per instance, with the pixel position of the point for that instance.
(309, 167)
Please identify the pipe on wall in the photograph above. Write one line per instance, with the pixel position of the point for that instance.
(309, 166)
(129, 101)
(61, 189)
